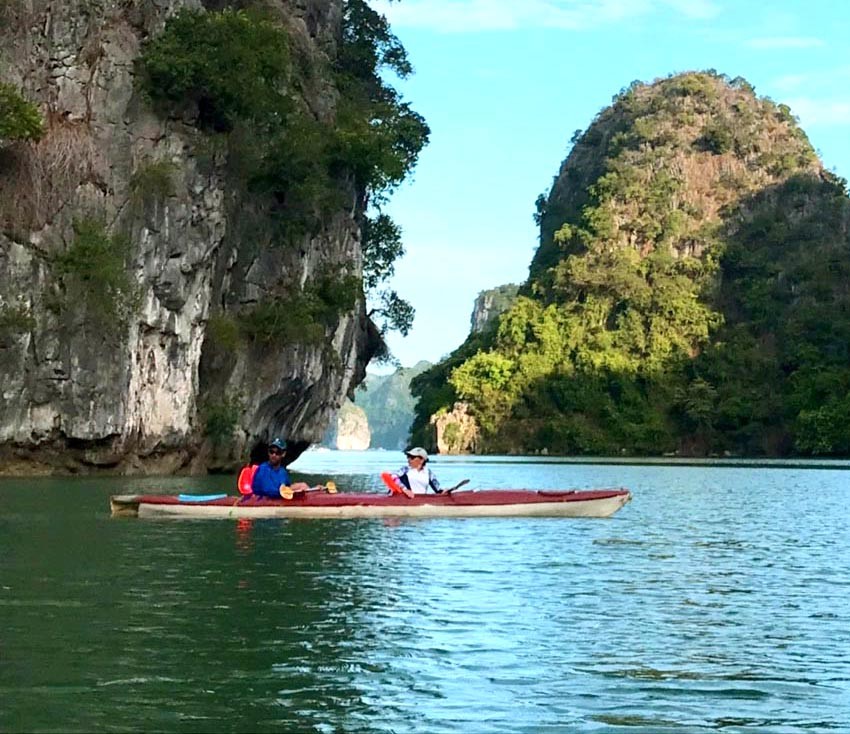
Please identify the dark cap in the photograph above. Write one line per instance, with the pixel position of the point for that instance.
(278, 443)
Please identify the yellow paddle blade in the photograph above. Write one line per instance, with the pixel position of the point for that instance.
(330, 488)
(286, 492)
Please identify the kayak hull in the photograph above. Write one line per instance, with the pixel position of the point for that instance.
(484, 503)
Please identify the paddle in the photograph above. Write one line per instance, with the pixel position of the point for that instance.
(461, 483)
(288, 493)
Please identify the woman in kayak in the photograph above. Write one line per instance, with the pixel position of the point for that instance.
(417, 477)
(271, 475)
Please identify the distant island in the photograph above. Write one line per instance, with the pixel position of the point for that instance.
(383, 409)
(688, 296)
(380, 415)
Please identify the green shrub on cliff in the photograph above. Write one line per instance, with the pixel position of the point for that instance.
(96, 278)
(152, 181)
(233, 65)
(19, 119)
(301, 316)
(220, 418)
(15, 319)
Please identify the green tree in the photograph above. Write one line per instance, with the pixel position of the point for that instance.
(232, 65)
(382, 246)
(380, 138)
(486, 381)
(235, 68)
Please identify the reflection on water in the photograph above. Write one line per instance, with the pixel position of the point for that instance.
(716, 600)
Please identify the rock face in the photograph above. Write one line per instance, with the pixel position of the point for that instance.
(352, 429)
(387, 407)
(133, 394)
(490, 304)
(388, 404)
(456, 431)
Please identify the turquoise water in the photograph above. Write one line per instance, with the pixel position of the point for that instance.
(717, 600)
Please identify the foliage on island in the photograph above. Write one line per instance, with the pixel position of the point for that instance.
(243, 76)
(688, 295)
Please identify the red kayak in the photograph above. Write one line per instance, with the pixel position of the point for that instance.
(321, 504)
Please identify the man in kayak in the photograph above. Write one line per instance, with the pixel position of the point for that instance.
(271, 475)
(417, 477)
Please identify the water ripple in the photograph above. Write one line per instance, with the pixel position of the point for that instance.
(702, 606)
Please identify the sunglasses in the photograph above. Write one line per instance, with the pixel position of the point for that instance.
(275, 451)
(411, 456)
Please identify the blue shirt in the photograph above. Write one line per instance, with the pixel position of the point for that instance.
(267, 480)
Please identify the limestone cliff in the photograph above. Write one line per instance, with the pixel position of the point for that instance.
(350, 431)
(138, 389)
(387, 408)
(490, 304)
(455, 431)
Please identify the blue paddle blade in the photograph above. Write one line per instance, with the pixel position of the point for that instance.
(200, 497)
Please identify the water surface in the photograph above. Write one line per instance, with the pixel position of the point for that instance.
(717, 600)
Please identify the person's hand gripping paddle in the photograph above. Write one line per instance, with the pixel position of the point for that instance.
(289, 492)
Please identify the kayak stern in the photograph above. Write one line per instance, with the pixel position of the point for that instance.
(124, 505)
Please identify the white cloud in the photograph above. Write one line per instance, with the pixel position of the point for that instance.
(791, 81)
(780, 42)
(451, 16)
(821, 82)
(698, 9)
(820, 111)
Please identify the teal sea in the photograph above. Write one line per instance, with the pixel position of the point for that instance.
(718, 600)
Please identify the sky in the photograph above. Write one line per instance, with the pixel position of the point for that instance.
(504, 84)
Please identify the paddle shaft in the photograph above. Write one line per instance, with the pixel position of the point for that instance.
(457, 486)
(288, 493)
